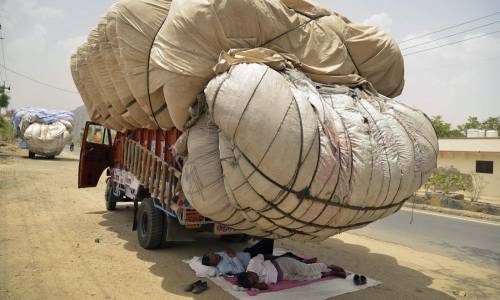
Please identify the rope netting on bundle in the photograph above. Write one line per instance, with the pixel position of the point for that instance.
(300, 160)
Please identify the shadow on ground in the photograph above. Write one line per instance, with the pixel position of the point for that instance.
(353, 257)
(56, 159)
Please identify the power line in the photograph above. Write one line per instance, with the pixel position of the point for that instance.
(447, 36)
(38, 81)
(448, 28)
(452, 43)
(3, 53)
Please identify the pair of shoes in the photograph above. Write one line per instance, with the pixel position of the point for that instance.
(359, 279)
(196, 287)
(191, 286)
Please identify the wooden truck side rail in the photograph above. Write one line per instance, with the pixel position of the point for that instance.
(143, 169)
(152, 171)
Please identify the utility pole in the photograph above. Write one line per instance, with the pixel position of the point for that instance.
(4, 85)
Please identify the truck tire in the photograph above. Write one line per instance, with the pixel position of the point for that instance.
(51, 157)
(150, 221)
(109, 197)
(31, 154)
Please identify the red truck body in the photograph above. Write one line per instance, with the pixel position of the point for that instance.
(143, 169)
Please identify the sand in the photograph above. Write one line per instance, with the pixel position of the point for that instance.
(59, 242)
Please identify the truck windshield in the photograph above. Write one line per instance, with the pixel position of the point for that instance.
(98, 134)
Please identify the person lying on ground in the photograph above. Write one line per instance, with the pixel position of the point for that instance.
(233, 262)
(261, 273)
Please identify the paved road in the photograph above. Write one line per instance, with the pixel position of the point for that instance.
(463, 238)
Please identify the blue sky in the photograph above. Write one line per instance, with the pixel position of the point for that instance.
(454, 81)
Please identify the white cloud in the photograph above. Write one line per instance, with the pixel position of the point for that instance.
(34, 9)
(46, 12)
(70, 44)
(39, 30)
(382, 20)
(456, 80)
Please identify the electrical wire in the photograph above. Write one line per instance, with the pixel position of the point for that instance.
(448, 28)
(447, 36)
(452, 43)
(4, 78)
(38, 81)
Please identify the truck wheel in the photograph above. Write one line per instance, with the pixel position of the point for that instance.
(109, 197)
(51, 157)
(31, 154)
(149, 225)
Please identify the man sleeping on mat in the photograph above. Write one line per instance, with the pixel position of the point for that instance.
(233, 262)
(261, 272)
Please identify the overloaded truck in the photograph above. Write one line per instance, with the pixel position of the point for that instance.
(289, 129)
(43, 132)
(141, 168)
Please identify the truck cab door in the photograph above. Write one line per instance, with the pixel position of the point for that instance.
(96, 154)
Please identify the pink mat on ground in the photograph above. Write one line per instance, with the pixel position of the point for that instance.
(282, 285)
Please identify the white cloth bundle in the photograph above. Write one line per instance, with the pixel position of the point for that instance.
(47, 132)
(48, 139)
(300, 160)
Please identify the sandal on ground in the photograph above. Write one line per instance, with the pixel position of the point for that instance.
(191, 286)
(359, 279)
(200, 288)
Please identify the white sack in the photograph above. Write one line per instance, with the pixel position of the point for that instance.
(323, 160)
(48, 139)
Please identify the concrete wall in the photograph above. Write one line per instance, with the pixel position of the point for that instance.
(465, 162)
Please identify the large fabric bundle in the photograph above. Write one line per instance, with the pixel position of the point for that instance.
(323, 160)
(290, 129)
(48, 139)
(47, 132)
(136, 24)
(329, 49)
(167, 51)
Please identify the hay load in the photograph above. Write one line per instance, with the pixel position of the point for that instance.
(295, 136)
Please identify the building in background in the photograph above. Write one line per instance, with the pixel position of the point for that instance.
(480, 155)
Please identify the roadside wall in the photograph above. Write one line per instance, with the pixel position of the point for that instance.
(465, 162)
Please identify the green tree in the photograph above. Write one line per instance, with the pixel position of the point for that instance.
(448, 180)
(4, 98)
(492, 123)
(456, 133)
(6, 129)
(441, 127)
(472, 123)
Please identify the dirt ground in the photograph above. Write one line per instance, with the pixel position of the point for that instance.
(59, 242)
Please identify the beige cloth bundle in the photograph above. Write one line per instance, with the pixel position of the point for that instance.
(171, 49)
(301, 160)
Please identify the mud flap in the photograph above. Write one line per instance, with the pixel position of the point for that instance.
(136, 209)
(178, 233)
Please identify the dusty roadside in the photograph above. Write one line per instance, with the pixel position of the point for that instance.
(455, 212)
(59, 242)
